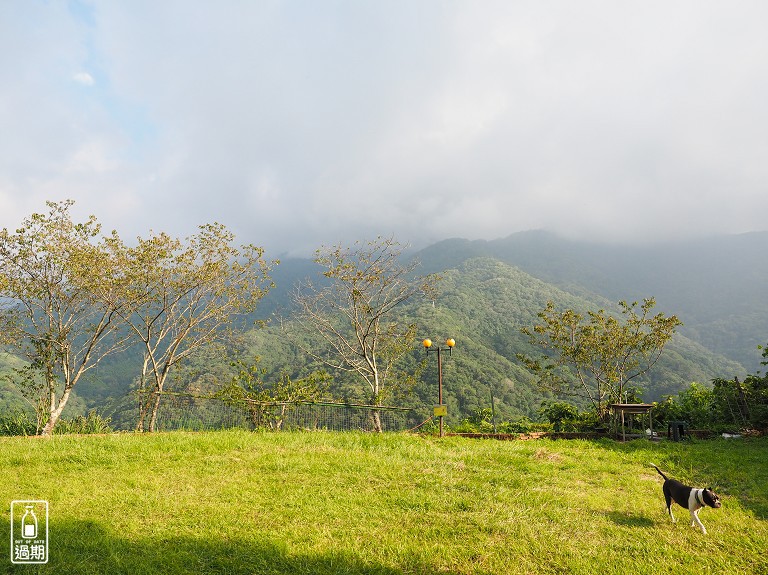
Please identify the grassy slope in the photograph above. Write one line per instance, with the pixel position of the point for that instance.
(236, 502)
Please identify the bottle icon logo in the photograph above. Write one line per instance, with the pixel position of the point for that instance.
(29, 523)
(29, 532)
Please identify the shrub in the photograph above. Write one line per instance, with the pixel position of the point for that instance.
(523, 425)
(564, 417)
(519, 425)
(17, 423)
(90, 423)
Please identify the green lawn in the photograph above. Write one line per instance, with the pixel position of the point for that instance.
(238, 502)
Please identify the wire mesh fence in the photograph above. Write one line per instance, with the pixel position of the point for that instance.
(200, 413)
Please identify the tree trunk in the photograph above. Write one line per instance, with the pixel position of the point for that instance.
(143, 404)
(376, 416)
(155, 409)
(50, 379)
(55, 413)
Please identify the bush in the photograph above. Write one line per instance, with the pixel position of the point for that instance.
(743, 404)
(90, 423)
(565, 417)
(523, 425)
(695, 406)
(729, 406)
(470, 426)
(520, 425)
(560, 414)
(18, 423)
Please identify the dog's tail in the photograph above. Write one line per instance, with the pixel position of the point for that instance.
(659, 470)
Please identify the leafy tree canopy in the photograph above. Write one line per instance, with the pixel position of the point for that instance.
(597, 356)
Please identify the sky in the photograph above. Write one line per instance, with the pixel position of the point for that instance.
(302, 123)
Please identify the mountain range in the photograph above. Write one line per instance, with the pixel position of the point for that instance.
(717, 286)
(492, 289)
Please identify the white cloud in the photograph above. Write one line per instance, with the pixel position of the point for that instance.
(84, 78)
(305, 123)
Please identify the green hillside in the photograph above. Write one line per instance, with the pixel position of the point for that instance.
(484, 303)
(715, 285)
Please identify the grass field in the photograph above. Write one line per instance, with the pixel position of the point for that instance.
(287, 503)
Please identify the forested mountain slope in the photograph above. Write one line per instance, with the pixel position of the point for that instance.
(483, 304)
(716, 286)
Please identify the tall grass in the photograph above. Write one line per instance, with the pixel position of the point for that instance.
(238, 502)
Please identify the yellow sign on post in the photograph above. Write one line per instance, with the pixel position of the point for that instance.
(441, 410)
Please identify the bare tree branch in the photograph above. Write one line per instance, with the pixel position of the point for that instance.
(351, 312)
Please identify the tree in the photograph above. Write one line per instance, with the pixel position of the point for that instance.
(51, 270)
(598, 356)
(177, 297)
(352, 312)
(267, 402)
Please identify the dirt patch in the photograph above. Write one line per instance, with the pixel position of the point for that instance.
(544, 455)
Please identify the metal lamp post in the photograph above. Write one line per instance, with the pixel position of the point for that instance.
(440, 409)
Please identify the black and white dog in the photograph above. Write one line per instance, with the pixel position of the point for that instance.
(689, 497)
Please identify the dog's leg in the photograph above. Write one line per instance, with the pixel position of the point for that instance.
(668, 501)
(696, 521)
(667, 498)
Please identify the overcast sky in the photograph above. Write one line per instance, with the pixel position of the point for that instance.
(310, 122)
